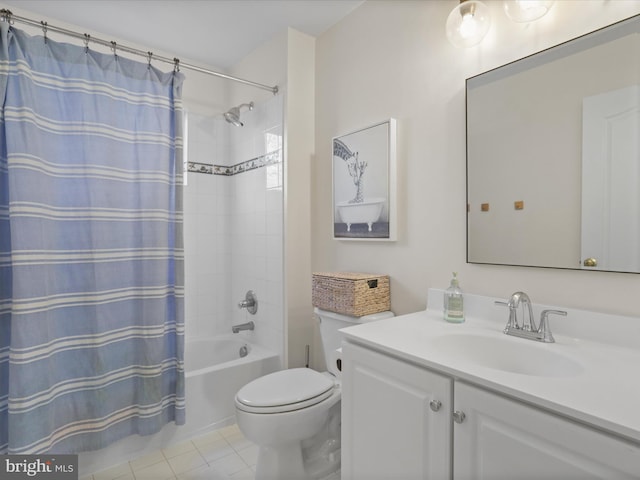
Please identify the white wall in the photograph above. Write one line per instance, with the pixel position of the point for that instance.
(288, 61)
(299, 220)
(392, 59)
(207, 235)
(256, 218)
(233, 225)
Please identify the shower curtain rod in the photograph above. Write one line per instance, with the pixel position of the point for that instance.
(9, 17)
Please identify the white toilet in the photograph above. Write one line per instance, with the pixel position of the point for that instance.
(294, 415)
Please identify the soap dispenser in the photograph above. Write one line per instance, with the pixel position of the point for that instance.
(454, 302)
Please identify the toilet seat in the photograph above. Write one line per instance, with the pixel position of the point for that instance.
(285, 391)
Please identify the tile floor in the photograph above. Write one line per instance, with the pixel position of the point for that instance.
(221, 455)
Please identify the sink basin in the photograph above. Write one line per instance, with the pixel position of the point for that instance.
(508, 354)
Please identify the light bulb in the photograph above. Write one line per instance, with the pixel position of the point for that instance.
(468, 27)
(526, 10)
(468, 23)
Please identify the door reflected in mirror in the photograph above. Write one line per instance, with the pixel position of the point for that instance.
(558, 131)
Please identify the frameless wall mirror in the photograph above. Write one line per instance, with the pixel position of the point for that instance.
(553, 158)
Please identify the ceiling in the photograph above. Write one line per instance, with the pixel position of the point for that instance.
(214, 33)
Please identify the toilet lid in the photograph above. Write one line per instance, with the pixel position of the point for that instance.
(291, 389)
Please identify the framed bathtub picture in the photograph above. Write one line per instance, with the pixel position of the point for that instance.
(364, 183)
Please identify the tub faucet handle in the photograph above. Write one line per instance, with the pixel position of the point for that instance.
(250, 302)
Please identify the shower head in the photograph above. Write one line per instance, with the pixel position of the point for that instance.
(233, 115)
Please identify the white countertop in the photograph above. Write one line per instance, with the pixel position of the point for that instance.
(605, 393)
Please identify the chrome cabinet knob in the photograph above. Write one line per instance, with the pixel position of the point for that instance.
(435, 405)
(459, 416)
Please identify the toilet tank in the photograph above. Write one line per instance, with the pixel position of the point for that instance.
(331, 322)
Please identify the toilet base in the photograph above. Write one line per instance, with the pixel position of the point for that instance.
(287, 462)
(290, 452)
(282, 463)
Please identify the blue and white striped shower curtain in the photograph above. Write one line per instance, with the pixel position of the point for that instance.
(91, 252)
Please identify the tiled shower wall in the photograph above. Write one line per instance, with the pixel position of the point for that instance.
(233, 218)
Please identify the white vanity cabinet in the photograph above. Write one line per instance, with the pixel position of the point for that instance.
(501, 438)
(396, 418)
(392, 430)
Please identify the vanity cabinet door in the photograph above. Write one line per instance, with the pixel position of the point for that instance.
(390, 427)
(500, 438)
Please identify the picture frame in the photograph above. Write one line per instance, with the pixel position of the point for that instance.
(364, 183)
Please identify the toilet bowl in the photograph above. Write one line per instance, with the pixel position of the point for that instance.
(294, 415)
(282, 410)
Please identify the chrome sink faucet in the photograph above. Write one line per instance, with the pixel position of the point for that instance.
(528, 323)
(528, 328)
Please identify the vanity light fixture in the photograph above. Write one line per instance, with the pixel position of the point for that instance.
(526, 10)
(468, 23)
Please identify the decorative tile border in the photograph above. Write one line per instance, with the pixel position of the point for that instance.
(195, 167)
(258, 162)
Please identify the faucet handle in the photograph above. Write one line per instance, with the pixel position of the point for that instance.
(544, 330)
(250, 302)
(512, 323)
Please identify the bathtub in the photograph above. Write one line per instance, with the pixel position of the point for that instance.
(214, 372)
(364, 212)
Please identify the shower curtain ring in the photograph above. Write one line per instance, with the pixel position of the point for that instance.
(87, 38)
(5, 16)
(114, 47)
(149, 55)
(176, 64)
(44, 30)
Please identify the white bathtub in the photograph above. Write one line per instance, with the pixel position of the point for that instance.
(207, 354)
(214, 372)
(364, 212)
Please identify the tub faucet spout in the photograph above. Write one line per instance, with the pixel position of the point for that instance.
(242, 326)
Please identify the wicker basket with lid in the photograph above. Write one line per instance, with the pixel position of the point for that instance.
(355, 294)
